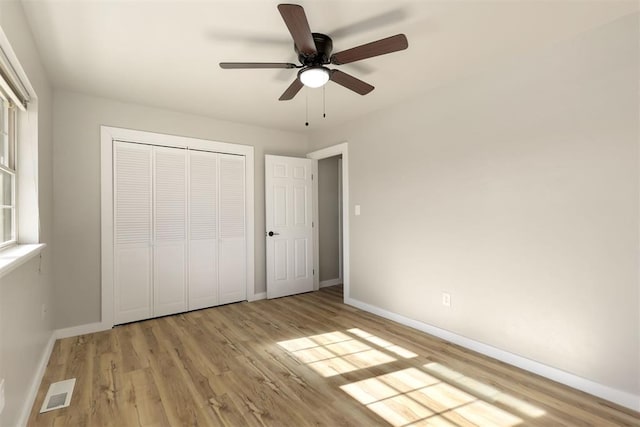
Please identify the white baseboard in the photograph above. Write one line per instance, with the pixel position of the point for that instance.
(259, 296)
(331, 282)
(74, 331)
(36, 380)
(620, 397)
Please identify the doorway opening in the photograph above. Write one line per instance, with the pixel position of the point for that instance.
(330, 221)
(340, 232)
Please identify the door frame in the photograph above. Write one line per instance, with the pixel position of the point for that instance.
(334, 150)
(110, 134)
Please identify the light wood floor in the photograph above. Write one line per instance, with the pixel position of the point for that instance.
(297, 361)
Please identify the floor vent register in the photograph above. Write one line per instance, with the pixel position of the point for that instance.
(58, 396)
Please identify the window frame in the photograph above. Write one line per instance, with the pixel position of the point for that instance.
(9, 111)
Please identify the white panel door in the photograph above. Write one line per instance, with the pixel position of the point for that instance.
(132, 232)
(288, 200)
(170, 229)
(203, 230)
(232, 249)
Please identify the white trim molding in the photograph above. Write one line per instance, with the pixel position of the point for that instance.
(331, 282)
(258, 296)
(337, 150)
(620, 397)
(316, 226)
(110, 134)
(35, 381)
(16, 255)
(75, 331)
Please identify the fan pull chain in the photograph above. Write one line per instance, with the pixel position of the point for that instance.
(324, 102)
(306, 92)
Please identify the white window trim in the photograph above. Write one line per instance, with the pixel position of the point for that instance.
(110, 134)
(16, 255)
(14, 220)
(27, 230)
(12, 117)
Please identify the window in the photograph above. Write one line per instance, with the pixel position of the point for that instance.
(7, 171)
(14, 98)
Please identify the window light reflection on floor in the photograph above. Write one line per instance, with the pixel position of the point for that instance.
(428, 395)
(402, 352)
(336, 352)
(485, 391)
(411, 397)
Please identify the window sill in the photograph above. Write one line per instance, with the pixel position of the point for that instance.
(15, 256)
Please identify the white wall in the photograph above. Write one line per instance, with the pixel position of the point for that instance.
(515, 190)
(24, 335)
(77, 121)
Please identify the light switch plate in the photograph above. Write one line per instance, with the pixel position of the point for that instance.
(357, 210)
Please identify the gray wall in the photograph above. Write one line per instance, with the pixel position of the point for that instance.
(514, 189)
(328, 218)
(77, 121)
(24, 334)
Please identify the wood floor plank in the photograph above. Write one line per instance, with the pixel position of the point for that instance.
(297, 361)
(175, 391)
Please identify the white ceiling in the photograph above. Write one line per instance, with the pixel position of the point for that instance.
(166, 53)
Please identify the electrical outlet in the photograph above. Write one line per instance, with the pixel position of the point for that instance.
(1, 395)
(446, 299)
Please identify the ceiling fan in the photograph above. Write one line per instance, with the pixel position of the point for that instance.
(314, 53)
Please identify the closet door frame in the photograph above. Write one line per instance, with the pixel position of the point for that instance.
(108, 135)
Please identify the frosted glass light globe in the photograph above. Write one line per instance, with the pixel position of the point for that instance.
(314, 76)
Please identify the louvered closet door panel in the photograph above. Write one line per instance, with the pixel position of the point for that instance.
(231, 224)
(203, 231)
(132, 232)
(170, 206)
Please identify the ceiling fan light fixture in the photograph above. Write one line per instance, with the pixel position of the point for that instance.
(314, 51)
(314, 76)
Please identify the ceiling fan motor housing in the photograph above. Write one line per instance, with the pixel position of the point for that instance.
(324, 46)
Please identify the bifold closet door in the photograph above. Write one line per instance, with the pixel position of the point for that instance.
(170, 231)
(203, 229)
(232, 258)
(180, 232)
(133, 257)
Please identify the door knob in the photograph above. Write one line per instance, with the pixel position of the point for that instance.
(271, 233)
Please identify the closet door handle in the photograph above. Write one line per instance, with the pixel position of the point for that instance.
(271, 234)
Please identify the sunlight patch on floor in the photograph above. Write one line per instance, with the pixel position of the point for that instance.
(350, 362)
(335, 353)
(485, 391)
(431, 395)
(400, 351)
(411, 397)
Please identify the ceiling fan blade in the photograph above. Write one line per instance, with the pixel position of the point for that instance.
(298, 26)
(292, 90)
(350, 82)
(369, 50)
(241, 65)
